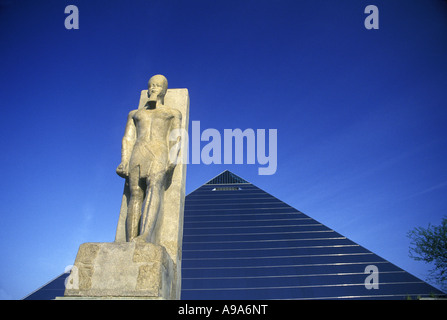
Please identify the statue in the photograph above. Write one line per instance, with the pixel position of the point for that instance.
(148, 159)
(145, 259)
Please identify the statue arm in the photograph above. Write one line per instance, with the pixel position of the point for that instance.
(175, 145)
(127, 144)
(130, 136)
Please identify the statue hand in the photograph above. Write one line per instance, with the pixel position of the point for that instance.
(123, 170)
(170, 168)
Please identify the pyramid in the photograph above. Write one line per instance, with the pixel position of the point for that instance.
(240, 242)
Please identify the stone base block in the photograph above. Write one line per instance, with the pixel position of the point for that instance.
(121, 269)
(108, 298)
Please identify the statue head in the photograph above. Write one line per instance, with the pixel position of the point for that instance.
(157, 86)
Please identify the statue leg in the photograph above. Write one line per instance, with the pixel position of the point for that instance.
(154, 197)
(136, 188)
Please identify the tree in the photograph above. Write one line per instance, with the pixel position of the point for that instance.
(430, 245)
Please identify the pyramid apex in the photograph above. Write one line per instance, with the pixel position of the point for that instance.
(226, 177)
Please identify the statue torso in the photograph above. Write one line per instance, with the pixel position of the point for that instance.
(152, 130)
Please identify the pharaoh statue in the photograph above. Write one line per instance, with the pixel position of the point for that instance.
(144, 261)
(148, 159)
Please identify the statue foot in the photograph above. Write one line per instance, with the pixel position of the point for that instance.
(140, 239)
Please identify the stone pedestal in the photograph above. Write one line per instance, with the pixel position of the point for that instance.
(121, 270)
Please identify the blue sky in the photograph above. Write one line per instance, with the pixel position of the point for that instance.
(360, 114)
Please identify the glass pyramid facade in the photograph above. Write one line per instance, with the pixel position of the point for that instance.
(240, 242)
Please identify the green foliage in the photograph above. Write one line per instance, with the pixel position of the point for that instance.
(430, 245)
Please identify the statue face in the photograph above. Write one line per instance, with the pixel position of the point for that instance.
(157, 85)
